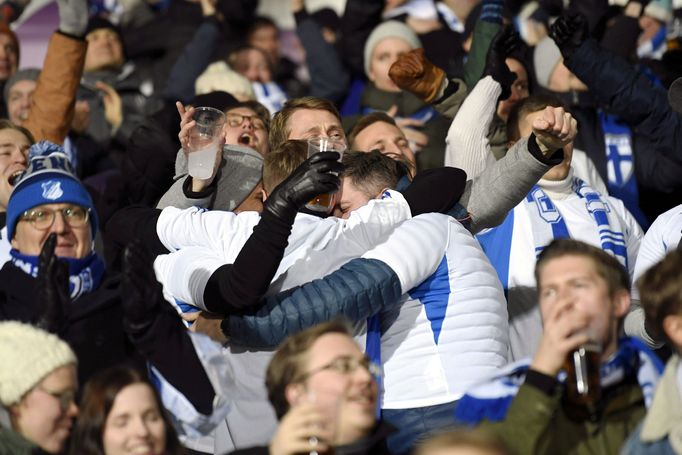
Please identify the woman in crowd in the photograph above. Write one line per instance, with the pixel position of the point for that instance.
(121, 413)
(37, 389)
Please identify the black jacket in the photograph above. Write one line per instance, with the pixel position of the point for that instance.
(92, 323)
(375, 444)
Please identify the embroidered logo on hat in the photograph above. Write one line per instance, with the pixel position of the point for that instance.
(52, 190)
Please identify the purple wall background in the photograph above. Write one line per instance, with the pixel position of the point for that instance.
(34, 34)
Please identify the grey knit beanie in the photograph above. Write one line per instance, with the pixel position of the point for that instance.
(545, 58)
(389, 29)
(26, 74)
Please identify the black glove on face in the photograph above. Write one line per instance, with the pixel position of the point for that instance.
(53, 287)
(502, 45)
(316, 175)
(140, 292)
(569, 33)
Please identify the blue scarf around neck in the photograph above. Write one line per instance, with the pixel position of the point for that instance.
(85, 275)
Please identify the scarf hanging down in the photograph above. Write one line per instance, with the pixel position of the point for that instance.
(491, 400)
(85, 275)
(548, 224)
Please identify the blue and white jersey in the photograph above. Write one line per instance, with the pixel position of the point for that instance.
(514, 245)
(451, 330)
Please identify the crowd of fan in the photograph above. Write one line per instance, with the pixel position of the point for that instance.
(499, 270)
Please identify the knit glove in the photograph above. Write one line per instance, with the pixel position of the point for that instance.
(141, 294)
(501, 47)
(412, 72)
(316, 175)
(569, 32)
(53, 287)
(73, 17)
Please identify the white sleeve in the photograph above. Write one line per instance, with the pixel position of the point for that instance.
(378, 216)
(178, 228)
(415, 248)
(185, 273)
(188, 421)
(466, 145)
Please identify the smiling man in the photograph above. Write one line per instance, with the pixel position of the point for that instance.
(324, 393)
(14, 144)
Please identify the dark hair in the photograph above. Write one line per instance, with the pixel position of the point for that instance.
(8, 125)
(366, 121)
(280, 129)
(260, 22)
(279, 164)
(287, 364)
(660, 291)
(98, 399)
(533, 103)
(372, 172)
(606, 265)
(233, 57)
(260, 110)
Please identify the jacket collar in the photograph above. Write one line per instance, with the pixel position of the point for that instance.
(372, 444)
(665, 414)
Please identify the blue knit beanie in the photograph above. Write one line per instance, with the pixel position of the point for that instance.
(48, 179)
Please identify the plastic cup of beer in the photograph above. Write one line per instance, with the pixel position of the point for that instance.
(324, 202)
(204, 141)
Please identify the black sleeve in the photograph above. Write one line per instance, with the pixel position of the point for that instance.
(133, 222)
(555, 158)
(236, 287)
(166, 344)
(542, 382)
(435, 190)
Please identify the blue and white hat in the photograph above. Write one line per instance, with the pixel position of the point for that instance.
(48, 179)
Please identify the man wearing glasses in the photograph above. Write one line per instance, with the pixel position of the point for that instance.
(51, 216)
(324, 392)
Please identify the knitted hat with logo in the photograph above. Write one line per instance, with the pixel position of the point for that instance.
(48, 179)
(28, 355)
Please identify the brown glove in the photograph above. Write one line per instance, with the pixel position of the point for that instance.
(414, 73)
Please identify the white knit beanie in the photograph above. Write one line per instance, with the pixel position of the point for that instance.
(389, 29)
(27, 355)
(546, 57)
(218, 76)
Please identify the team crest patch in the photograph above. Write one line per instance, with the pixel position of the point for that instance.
(52, 189)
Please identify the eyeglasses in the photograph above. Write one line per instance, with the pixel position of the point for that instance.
(65, 398)
(234, 119)
(43, 218)
(346, 365)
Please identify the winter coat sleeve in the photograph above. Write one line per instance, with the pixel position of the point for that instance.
(359, 289)
(490, 196)
(615, 84)
(180, 195)
(328, 77)
(53, 100)
(357, 22)
(484, 32)
(192, 62)
(466, 145)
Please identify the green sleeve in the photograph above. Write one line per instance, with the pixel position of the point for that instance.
(527, 421)
(484, 32)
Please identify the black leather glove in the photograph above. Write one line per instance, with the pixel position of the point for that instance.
(569, 32)
(502, 45)
(53, 287)
(316, 175)
(141, 294)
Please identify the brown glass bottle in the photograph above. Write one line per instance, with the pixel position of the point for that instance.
(583, 386)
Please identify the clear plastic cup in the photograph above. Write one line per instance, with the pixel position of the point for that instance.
(324, 202)
(204, 141)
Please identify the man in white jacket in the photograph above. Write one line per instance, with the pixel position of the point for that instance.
(560, 205)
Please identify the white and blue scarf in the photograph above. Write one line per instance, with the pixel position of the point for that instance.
(491, 400)
(620, 164)
(548, 224)
(85, 275)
